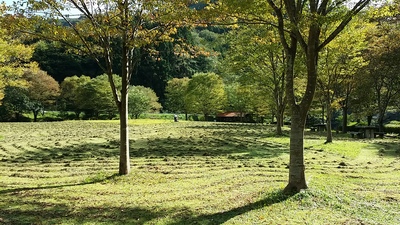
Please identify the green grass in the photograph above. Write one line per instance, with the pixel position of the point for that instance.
(190, 173)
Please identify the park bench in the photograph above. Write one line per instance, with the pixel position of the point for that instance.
(313, 129)
(380, 134)
(356, 134)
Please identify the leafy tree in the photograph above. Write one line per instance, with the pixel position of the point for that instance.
(69, 96)
(383, 69)
(15, 102)
(338, 66)
(14, 59)
(42, 90)
(95, 97)
(141, 100)
(176, 92)
(131, 24)
(206, 94)
(246, 99)
(300, 26)
(256, 58)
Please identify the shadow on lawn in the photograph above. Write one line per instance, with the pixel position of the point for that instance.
(25, 210)
(47, 213)
(387, 149)
(91, 181)
(222, 217)
(21, 206)
(158, 147)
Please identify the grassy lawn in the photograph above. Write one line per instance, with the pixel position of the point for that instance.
(190, 173)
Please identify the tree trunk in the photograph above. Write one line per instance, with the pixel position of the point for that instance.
(380, 122)
(124, 159)
(278, 126)
(35, 115)
(77, 114)
(344, 124)
(124, 164)
(329, 137)
(279, 119)
(369, 120)
(297, 179)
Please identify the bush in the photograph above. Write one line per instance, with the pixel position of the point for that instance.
(393, 127)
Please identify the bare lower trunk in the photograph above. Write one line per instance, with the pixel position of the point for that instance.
(124, 164)
(35, 115)
(344, 124)
(297, 179)
(329, 137)
(279, 120)
(278, 127)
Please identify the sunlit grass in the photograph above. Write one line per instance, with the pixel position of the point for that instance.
(190, 173)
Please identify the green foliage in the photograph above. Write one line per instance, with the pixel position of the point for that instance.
(14, 59)
(15, 102)
(56, 59)
(141, 100)
(206, 94)
(95, 97)
(392, 127)
(42, 90)
(176, 92)
(70, 98)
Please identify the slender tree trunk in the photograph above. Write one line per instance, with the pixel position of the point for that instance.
(344, 124)
(329, 137)
(35, 115)
(124, 164)
(124, 159)
(279, 119)
(77, 114)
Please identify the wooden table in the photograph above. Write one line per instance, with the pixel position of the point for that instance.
(368, 131)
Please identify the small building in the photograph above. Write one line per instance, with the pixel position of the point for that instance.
(234, 117)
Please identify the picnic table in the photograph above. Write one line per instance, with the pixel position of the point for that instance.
(367, 132)
(318, 127)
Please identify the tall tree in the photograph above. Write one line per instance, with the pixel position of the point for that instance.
(130, 23)
(257, 58)
(300, 24)
(383, 69)
(303, 21)
(338, 65)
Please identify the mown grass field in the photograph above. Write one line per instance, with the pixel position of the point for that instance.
(190, 173)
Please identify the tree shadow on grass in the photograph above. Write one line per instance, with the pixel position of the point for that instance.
(21, 206)
(387, 149)
(206, 146)
(56, 213)
(86, 182)
(66, 153)
(222, 217)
